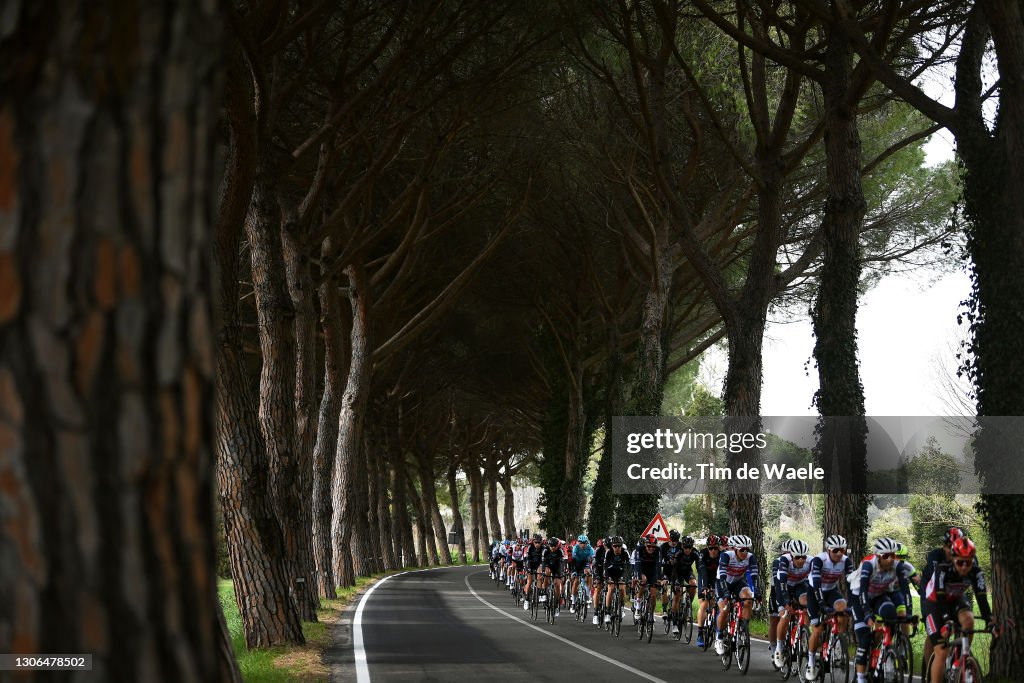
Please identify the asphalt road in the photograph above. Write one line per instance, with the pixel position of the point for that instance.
(454, 624)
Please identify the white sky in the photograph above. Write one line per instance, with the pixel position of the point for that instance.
(906, 327)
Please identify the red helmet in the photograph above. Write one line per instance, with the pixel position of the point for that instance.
(723, 540)
(963, 547)
(712, 540)
(650, 539)
(953, 533)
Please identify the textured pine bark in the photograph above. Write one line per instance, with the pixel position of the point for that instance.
(350, 424)
(106, 348)
(429, 482)
(387, 531)
(508, 509)
(491, 479)
(407, 547)
(453, 493)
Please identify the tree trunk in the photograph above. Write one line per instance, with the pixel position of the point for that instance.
(333, 322)
(277, 385)
(841, 441)
(576, 450)
(386, 531)
(363, 558)
(602, 502)
(457, 526)
(429, 485)
(508, 509)
(407, 548)
(107, 361)
(254, 540)
(350, 425)
(479, 512)
(491, 473)
(636, 511)
(424, 539)
(302, 293)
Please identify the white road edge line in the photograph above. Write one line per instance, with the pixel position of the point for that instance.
(600, 656)
(362, 670)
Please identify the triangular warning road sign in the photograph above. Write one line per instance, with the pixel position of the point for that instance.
(657, 527)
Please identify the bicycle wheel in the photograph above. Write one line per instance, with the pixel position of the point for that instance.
(802, 650)
(617, 614)
(787, 659)
(709, 626)
(686, 630)
(839, 659)
(888, 670)
(535, 601)
(649, 622)
(742, 648)
(970, 672)
(638, 618)
(726, 657)
(581, 605)
(904, 650)
(668, 622)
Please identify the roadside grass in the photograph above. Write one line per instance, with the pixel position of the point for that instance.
(293, 663)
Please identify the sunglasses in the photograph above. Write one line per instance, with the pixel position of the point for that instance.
(651, 545)
(963, 563)
(887, 556)
(616, 545)
(838, 550)
(799, 557)
(743, 550)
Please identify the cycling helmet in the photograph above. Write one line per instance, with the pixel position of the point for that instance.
(834, 542)
(537, 538)
(886, 545)
(553, 541)
(902, 553)
(607, 540)
(963, 547)
(616, 540)
(740, 541)
(723, 541)
(953, 533)
(798, 547)
(687, 541)
(673, 535)
(712, 541)
(582, 538)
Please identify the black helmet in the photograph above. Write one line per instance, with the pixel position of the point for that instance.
(553, 541)
(537, 538)
(616, 540)
(687, 542)
(673, 535)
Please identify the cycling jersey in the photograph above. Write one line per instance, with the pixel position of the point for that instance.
(791, 580)
(647, 563)
(534, 555)
(552, 559)
(946, 585)
(872, 582)
(599, 555)
(707, 569)
(734, 573)
(825, 574)
(616, 566)
(583, 552)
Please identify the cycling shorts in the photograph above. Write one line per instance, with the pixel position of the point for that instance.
(579, 566)
(938, 613)
(829, 600)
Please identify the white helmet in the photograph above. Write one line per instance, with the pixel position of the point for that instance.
(798, 547)
(740, 541)
(785, 545)
(835, 541)
(886, 545)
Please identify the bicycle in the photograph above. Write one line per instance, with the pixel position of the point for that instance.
(615, 624)
(682, 618)
(736, 636)
(888, 663)
(961, 666)
(552, 604)
(534, 597)
(645, 610)
(599, 610)
(710, 617)
(835, 649)
(582, 600)
(794, 645)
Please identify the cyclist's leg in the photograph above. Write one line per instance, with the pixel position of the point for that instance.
(747, 605)
(860, 629)
(934, 618)
(814, 612)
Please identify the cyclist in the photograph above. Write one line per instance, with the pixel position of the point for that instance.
(582, 554)
(616, 563)
(773, 603)
(597, 573)
(492, 556)
(876, 588)
(534, 554)
(827, 569)
(646, 569)
(551, 565)
(737, 578)
(910, 574)
(791, 586)
(677, 558)
(707, 577)
(517, 562)
(937, 556)
(944, 598)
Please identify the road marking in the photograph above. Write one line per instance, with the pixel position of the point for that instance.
(600, 656)
(362, 670)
